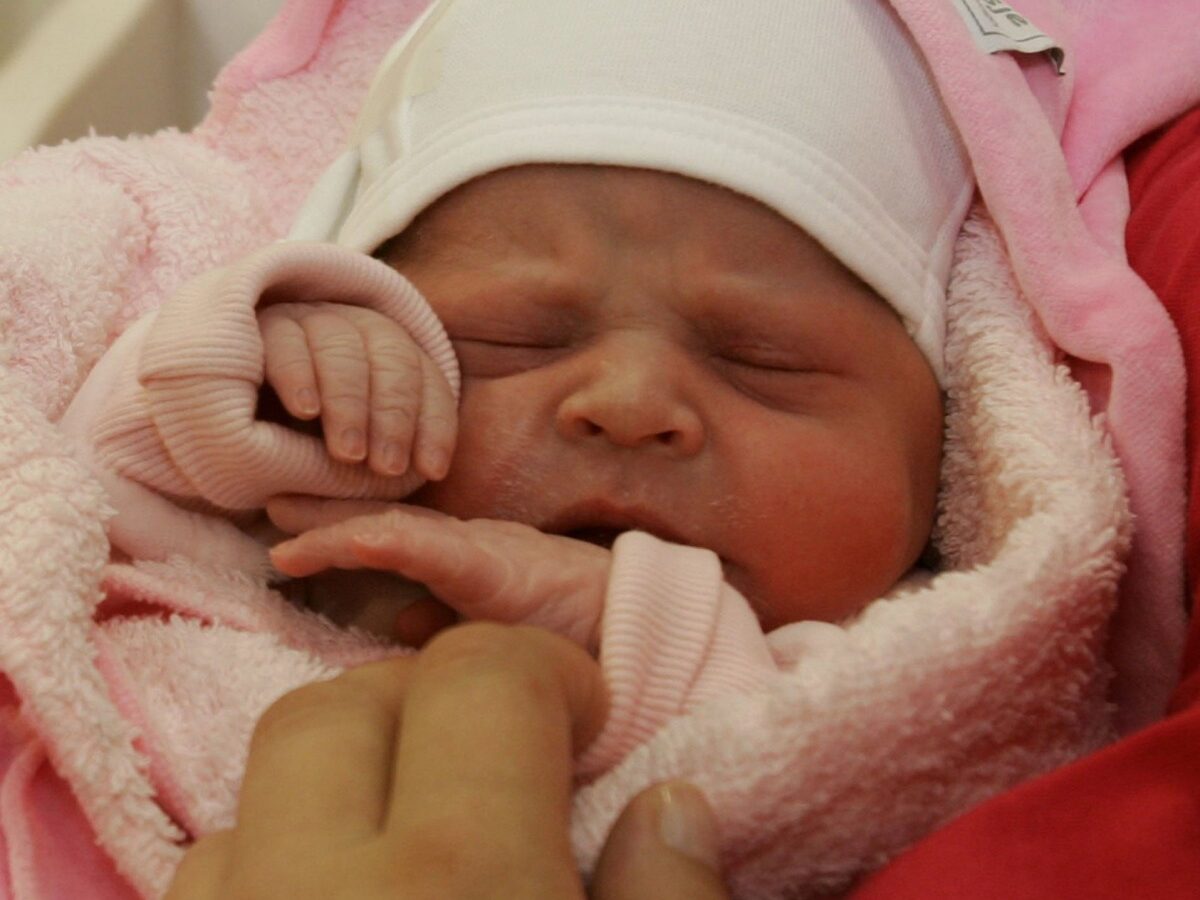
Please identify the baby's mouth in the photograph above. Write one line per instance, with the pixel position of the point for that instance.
(598, 535)
(601, 523)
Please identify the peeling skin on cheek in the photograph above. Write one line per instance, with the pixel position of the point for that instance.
(514, 490)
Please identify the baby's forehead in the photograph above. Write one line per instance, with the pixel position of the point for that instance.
(557, 212)
(546, 244)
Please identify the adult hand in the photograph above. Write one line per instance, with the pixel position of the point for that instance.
(444, 775)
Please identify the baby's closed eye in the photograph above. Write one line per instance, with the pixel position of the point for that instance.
(496, 357)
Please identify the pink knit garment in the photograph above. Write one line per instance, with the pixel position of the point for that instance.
(171, 409)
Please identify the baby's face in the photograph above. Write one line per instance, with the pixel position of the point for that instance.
(642, 350)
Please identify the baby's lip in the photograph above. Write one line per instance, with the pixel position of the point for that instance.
(601, 521)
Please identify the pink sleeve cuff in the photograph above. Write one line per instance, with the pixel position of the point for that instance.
(673, 636)
(171, 416)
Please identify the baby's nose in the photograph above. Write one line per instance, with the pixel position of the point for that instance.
(635, 399)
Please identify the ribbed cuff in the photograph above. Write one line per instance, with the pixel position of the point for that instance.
(673, 635)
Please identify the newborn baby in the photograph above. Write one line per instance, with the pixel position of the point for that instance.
(640, 351)
(698, 312)
(691, 263)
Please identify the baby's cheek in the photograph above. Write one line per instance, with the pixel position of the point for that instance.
(836, 546)
(501, 468)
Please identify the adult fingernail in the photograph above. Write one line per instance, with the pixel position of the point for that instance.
(354, 443)
(307, 402)
(686, 824)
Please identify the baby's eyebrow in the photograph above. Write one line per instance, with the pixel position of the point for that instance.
(740, 305)
(546, 298)
(528, 291)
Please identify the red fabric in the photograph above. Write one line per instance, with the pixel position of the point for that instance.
(1164, 246)
(1124, 822)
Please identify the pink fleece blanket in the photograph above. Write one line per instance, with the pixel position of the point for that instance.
(97, 232)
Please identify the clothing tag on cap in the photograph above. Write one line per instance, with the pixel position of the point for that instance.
(998, 28)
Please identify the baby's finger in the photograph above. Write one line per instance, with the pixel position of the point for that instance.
(288, 362)
(295, 513)
(313, 552)
(461, 570)
(437, 429)
(418, 622)
(396, 394)
(334, 546)
(343, 374)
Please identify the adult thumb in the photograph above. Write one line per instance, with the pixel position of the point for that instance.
(663, 847)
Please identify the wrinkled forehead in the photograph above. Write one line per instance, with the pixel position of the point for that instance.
(548, 210)
(545, 238)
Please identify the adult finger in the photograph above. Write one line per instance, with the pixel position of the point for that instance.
(320, 761)
(418, 622)
(340, 361)
(663, 846)
(484, 776)
(201, 874)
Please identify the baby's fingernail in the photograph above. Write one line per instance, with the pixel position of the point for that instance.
(395, 459)
(281, 556)
(354, 443)
(686, 824)
(307, 402)
(437, 463)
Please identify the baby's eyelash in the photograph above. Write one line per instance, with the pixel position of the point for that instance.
(767, 360)
(760, 365)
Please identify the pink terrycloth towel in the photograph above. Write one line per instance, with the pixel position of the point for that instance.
(105, 692)
(1047, 158)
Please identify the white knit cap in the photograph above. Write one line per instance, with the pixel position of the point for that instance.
(822, 110)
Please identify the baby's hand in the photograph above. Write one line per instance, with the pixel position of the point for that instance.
(380, 398)
(482, 568)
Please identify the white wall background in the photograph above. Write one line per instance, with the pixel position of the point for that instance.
(118, 66)
(16, 16)
(215, 31)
